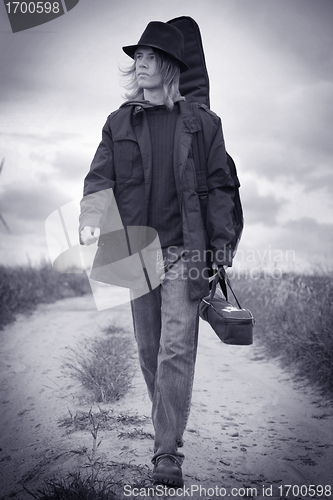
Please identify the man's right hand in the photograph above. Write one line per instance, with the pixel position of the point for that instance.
(90, 235)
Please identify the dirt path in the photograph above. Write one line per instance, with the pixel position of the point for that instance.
(249, 427)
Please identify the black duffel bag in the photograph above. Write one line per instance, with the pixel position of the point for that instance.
(233, 325)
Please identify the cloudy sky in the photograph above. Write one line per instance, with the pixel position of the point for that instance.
(270, 64)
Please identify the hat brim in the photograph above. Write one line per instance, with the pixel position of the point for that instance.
(130, 51)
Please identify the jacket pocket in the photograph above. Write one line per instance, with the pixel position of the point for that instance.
(128, 165)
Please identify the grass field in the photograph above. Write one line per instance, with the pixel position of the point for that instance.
(22, 288)
(294, 322)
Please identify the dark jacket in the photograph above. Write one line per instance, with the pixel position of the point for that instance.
(123, 162)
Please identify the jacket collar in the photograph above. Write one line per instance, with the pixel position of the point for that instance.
(186, 113)
(138, 105)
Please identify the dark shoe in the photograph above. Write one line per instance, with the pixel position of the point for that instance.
(167, 470)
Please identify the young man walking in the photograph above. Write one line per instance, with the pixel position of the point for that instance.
(146, 158)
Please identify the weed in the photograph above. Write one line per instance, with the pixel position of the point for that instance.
(104, 365)
(106, 420)
(75, 487)
(135, 434)
(81, 420)
(127, 419)
(92, 459)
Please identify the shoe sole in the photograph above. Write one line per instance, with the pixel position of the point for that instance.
(168, 481)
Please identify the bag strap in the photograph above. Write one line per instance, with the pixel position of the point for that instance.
(199, 157)
(222, 277)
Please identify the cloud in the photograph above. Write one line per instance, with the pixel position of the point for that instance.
(259, 208)
(53, 65)
(293, 140)
(310, 239)
(68, 167)
(316, 234)
(274, 87)
(298, 31)
(297, 245)
(270, 65)
(35, 139)
(24, 206)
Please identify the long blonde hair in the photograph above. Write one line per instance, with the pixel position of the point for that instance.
(170, 72)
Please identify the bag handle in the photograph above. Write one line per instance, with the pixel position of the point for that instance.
(222, 277)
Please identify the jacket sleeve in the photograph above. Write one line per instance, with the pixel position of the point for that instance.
(99, 179)
(220, 202)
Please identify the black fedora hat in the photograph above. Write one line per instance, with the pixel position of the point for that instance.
(164, 37)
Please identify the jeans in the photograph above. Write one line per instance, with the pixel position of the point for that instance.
(166, 330)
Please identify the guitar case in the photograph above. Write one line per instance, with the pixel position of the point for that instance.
(194, 85)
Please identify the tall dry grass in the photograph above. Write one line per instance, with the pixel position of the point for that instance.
(22, 288)
(294, 321)
(104, 365)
